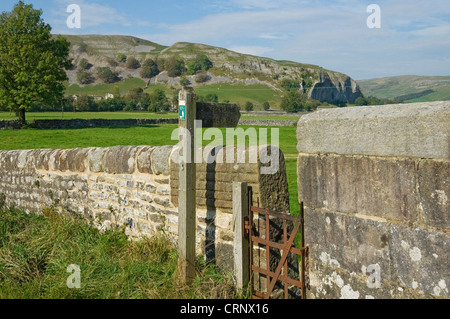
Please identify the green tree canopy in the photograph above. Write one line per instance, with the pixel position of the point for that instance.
(32, 61)
(132, 63)
(249, 106)
(293, 102)
(174, 67)
(107, 75)
(201, 63)
(149, 69)
(290, 85)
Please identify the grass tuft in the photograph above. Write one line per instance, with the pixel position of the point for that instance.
(35, 251)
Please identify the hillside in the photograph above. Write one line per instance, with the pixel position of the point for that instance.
(231, 70)
(409, 88)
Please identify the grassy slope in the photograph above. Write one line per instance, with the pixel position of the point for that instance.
(236, 93)
(102, 89)
(392, 87)
(240, 94)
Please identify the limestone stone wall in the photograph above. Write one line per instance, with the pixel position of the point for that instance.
(136, 186)
(376, 182)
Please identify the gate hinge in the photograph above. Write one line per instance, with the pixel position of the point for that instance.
(246, 226)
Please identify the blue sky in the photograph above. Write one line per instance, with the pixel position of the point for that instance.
(414, 38)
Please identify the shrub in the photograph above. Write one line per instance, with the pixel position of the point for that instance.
(83, 48)
(266, 106)
(249, 106)
(149, 69)
(312, 105)
(113, 63)
(184, 81)
(132, 63)
(292, 102)
(158, 102)
(174, 67)
(201, 63)
(121, 57)
(107, 75)
(84, 64)
(85, 103)
(84, 77)
(290, 85)
(201, 78)
(111, 105)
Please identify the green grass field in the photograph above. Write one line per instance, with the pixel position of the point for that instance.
(30, 116)
(120, 116)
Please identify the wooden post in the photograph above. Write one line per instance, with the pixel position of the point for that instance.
(241, 240)
(187, 186)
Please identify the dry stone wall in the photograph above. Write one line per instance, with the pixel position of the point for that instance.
(375, 182)
(136, 186)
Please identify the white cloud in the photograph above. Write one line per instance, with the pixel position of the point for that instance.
(438, 31)
(92, 14)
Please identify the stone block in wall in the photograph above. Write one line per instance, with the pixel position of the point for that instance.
(356, 257)
(420, 130)
(218, 114)
(420, 258)
(347, 242)
(119, 159)
(144, 160)
(373, 186)
(161, 160)
(434, 192)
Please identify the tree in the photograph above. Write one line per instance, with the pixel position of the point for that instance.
(184, 81)
(361, 101)
(149, 69)
(158, 102)
(201, 63)
(85, 103)
(132, 63)
(32, 61)
(107, 75)
(249, 106)
(84, 64)
(290, 85)
(84, 77)
(121, 57)
(292, 102)
(174, 66)
(202, 78)
(311, 105)
(266, 106)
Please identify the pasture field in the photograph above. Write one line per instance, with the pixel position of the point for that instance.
(31, 116)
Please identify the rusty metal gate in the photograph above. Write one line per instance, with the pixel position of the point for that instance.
(257, 227)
